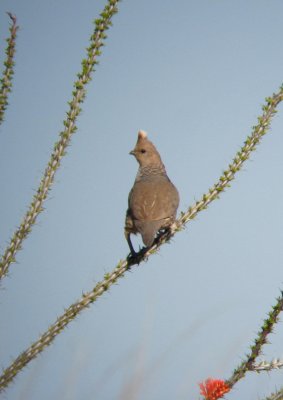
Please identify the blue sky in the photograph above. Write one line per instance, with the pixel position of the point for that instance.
(194, 75)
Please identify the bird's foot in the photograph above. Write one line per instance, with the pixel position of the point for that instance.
(134, 256)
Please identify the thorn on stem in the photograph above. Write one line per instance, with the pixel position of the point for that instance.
(13, 17)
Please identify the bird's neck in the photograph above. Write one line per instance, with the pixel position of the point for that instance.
(151, 171)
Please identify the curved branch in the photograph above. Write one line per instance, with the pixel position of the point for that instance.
(6, 81)
(36, 206)
(269, 109)
(266, 329)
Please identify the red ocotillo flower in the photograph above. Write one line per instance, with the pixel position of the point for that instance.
(213, 389)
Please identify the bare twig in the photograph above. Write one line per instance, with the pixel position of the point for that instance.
(278, 395)
(267, 366)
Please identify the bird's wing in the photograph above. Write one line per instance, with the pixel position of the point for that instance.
(153, 201)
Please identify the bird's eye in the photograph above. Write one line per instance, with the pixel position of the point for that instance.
(143, 151)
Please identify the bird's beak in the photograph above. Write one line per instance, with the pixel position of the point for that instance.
(132, 153)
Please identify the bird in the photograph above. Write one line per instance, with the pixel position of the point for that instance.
(153, 200)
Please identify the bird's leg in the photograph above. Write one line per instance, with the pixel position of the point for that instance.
(132, 250)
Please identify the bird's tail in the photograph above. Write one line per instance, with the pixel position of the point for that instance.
(148, 231)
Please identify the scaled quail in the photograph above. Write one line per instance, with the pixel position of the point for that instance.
(153, 200)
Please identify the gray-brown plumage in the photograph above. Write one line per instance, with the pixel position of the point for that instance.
(153, 200)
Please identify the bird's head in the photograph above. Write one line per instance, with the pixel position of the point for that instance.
(145, 152)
